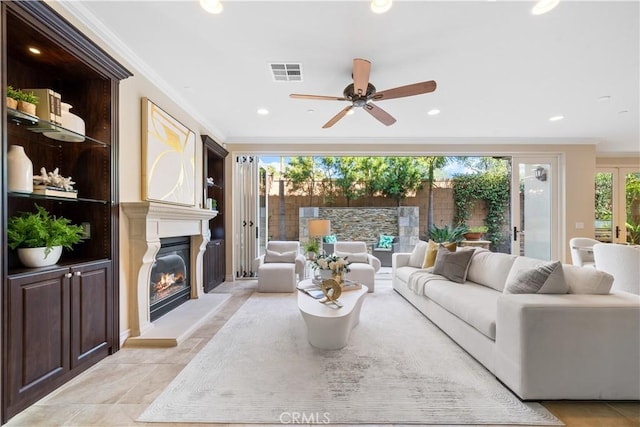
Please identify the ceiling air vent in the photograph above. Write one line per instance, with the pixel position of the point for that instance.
(283, 72)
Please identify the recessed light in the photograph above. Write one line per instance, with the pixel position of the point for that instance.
(433, 112)
(212, 6)
(604, 98)
(381, 6)
(544, 6)
(310, 110)
(623, 111)
(263, 111)
(35, 50)
(555, 118)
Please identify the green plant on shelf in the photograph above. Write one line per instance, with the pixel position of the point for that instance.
(20, 95)
(40, 229)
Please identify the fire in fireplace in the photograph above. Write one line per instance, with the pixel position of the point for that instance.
(169, 284)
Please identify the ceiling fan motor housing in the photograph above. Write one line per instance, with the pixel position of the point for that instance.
(358, 100)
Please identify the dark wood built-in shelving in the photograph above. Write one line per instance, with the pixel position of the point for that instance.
(214, 257)
(57, 321)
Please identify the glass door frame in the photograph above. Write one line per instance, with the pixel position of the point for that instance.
(619, 200)
(553, 175)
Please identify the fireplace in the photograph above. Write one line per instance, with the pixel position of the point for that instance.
(169, 280)
(150, 223)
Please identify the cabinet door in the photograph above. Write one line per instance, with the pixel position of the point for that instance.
(220, 262)
(91, 313)
(38, 338)
(213, 267)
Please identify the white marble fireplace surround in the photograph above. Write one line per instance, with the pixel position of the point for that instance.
(148, 223)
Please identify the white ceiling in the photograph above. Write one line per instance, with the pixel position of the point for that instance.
(501, 71)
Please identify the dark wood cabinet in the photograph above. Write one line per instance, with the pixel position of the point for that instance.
(214, 169)
(214, 264)
(59, 320)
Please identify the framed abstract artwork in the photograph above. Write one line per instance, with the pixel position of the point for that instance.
(168, 158)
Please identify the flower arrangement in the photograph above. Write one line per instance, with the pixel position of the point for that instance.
(336, 264)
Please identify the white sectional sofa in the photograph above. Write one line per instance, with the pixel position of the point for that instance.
(584, 344)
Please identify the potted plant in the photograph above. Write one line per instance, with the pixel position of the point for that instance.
(312, 248)
(447, 233)
(27, 102)
(13, 96)
(39, 237)
(475, 233)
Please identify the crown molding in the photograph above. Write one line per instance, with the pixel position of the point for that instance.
(108, 37)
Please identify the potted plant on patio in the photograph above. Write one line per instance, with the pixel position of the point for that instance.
(39, 237)
(475, 233)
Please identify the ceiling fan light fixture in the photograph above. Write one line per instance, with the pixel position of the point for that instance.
(351, 112)
(212, 6)
(381, 6)
(544, 6)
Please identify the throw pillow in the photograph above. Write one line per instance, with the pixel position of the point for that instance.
(586, 280)
(362, 257)
(385, 242)
(432, 251)
(546, 278)
(453, 265)
(417, 255)
(273, 256)
(332, 238)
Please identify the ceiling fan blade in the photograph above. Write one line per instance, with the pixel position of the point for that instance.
(321, 97)
(377, 112)
(361, 72)
(408, 90)
(337, 117)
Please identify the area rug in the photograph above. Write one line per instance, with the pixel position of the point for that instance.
(398, 368)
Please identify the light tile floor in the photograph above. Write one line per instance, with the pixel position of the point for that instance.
(118, 389)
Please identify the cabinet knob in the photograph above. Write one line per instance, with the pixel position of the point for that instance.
(78, 273)
(67, 275)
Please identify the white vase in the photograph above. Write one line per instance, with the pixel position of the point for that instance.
(71, 121)
(20, 170)
(35, 257)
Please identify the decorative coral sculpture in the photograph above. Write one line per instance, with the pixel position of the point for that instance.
(53, 179)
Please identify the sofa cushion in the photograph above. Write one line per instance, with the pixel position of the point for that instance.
(587, 280)
(417, 256)
(477, 305)
(546, 278)
(490, 268)
(284, 257)
(404, 272)
(432, 252)
(453, 265)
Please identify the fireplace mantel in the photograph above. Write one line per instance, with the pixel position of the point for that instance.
(148, 223)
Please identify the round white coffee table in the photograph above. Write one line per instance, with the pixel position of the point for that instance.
(328, 325)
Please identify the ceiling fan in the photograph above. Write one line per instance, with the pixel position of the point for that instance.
(361, 92)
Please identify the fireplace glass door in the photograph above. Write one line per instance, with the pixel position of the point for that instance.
(169, 284)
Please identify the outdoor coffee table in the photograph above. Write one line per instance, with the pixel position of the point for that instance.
(328, 325)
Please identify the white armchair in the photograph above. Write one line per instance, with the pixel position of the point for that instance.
(363, 265)
(622, 262)
(582, 251)
(279, 268)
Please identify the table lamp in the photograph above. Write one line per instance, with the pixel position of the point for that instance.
(319, 228)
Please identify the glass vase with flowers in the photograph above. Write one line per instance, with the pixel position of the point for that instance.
(331, 266)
